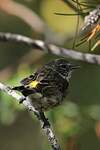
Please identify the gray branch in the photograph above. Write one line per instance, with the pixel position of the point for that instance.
(51, 48)
(40, 115)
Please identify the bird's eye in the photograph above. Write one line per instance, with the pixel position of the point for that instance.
(63, 66)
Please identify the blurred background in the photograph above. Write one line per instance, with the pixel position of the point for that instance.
(77, 121)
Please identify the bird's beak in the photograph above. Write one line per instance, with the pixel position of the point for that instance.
(74, 67)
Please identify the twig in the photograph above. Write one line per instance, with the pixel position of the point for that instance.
(51, 48)
(40, 115)
(26, 14)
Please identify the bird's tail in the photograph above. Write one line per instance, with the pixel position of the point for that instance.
(18, 88)
(25, 91)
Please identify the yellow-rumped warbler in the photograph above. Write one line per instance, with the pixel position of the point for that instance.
(48, 86)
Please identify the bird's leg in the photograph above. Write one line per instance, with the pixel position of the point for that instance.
(44, 119)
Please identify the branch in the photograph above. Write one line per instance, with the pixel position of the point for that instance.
(40, 115)
(51, 48)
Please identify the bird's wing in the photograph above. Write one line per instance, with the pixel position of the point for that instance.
(33, 81)
(28, 80)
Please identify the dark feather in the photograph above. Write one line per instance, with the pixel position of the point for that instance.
(18, 88)
(24, 91)
(28, 80)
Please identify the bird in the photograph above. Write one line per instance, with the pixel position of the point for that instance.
(48, 86)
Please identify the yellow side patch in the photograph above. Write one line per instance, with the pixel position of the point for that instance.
(33, 84)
